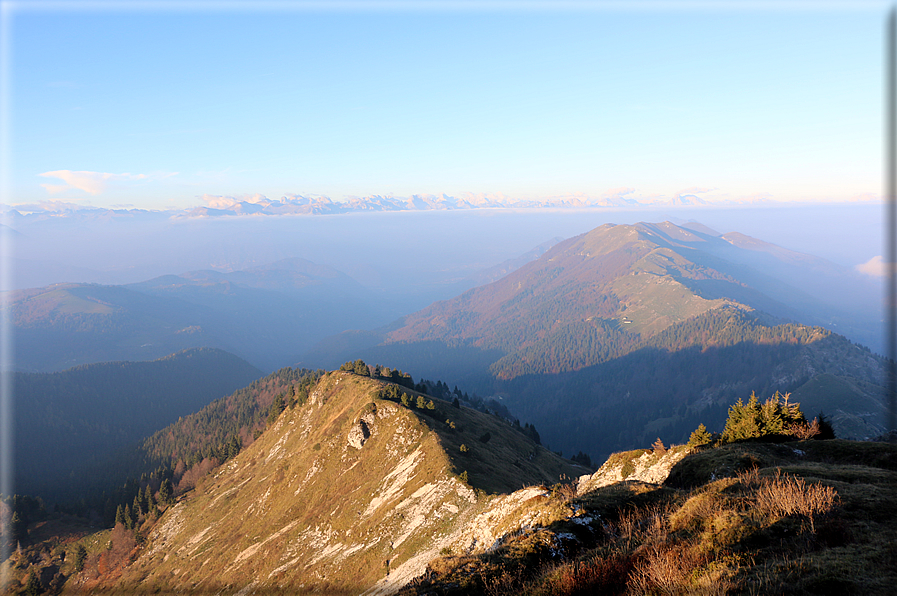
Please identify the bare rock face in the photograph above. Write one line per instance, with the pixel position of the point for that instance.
(358, 434)
(642, 465)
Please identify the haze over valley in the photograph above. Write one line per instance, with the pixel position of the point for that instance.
(467, 299)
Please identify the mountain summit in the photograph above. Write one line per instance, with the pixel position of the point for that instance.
(629, 331)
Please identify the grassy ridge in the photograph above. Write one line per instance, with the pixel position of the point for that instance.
(332, 490)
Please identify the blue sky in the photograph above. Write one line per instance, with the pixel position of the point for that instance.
(157, 107)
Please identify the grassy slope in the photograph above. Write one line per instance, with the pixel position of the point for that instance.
(301, 506)
(714, 527)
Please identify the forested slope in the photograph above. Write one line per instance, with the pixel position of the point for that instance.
(69, 423)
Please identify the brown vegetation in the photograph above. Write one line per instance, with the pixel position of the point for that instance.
(779, 520)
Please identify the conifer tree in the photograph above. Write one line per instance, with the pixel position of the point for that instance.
(149, 498)
(120, 516)
(233, 447)
(699, 437)
(277, 406)
(33, 586)
(773, 417)
(166, 492)
(80, 557)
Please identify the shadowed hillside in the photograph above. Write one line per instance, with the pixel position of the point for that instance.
(638, 331)
(69, 424)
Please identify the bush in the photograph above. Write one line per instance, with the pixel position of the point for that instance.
(790, 495)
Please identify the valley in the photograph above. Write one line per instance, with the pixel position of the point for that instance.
(449, 477)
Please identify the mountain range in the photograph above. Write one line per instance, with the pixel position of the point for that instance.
(295, 204)
(363, 480)
(267, 315)
(640, 330)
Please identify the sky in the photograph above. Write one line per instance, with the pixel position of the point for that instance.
(157, 106)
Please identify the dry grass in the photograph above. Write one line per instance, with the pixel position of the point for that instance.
(784, 495)
(605, 575)
(755, 529)
(667, 569)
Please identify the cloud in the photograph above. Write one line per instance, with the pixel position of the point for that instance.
(875, 267)
(92, 183)
(219, 202)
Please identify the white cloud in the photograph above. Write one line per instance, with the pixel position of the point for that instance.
(875, 267)
(90, 182)
(219, 202)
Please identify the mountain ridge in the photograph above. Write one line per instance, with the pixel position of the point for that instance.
(375, 481)
(657, 296)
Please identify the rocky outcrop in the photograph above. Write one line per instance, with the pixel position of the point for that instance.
(358, 434)
(644, 465)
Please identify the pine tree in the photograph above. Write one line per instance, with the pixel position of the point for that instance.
(33, 586)
(166, 492)
(80, 557)
(276, 408)
(826, 430)
(774, 417)
(699, 437)
(120, 516)
(233, 447)
(149, 498)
